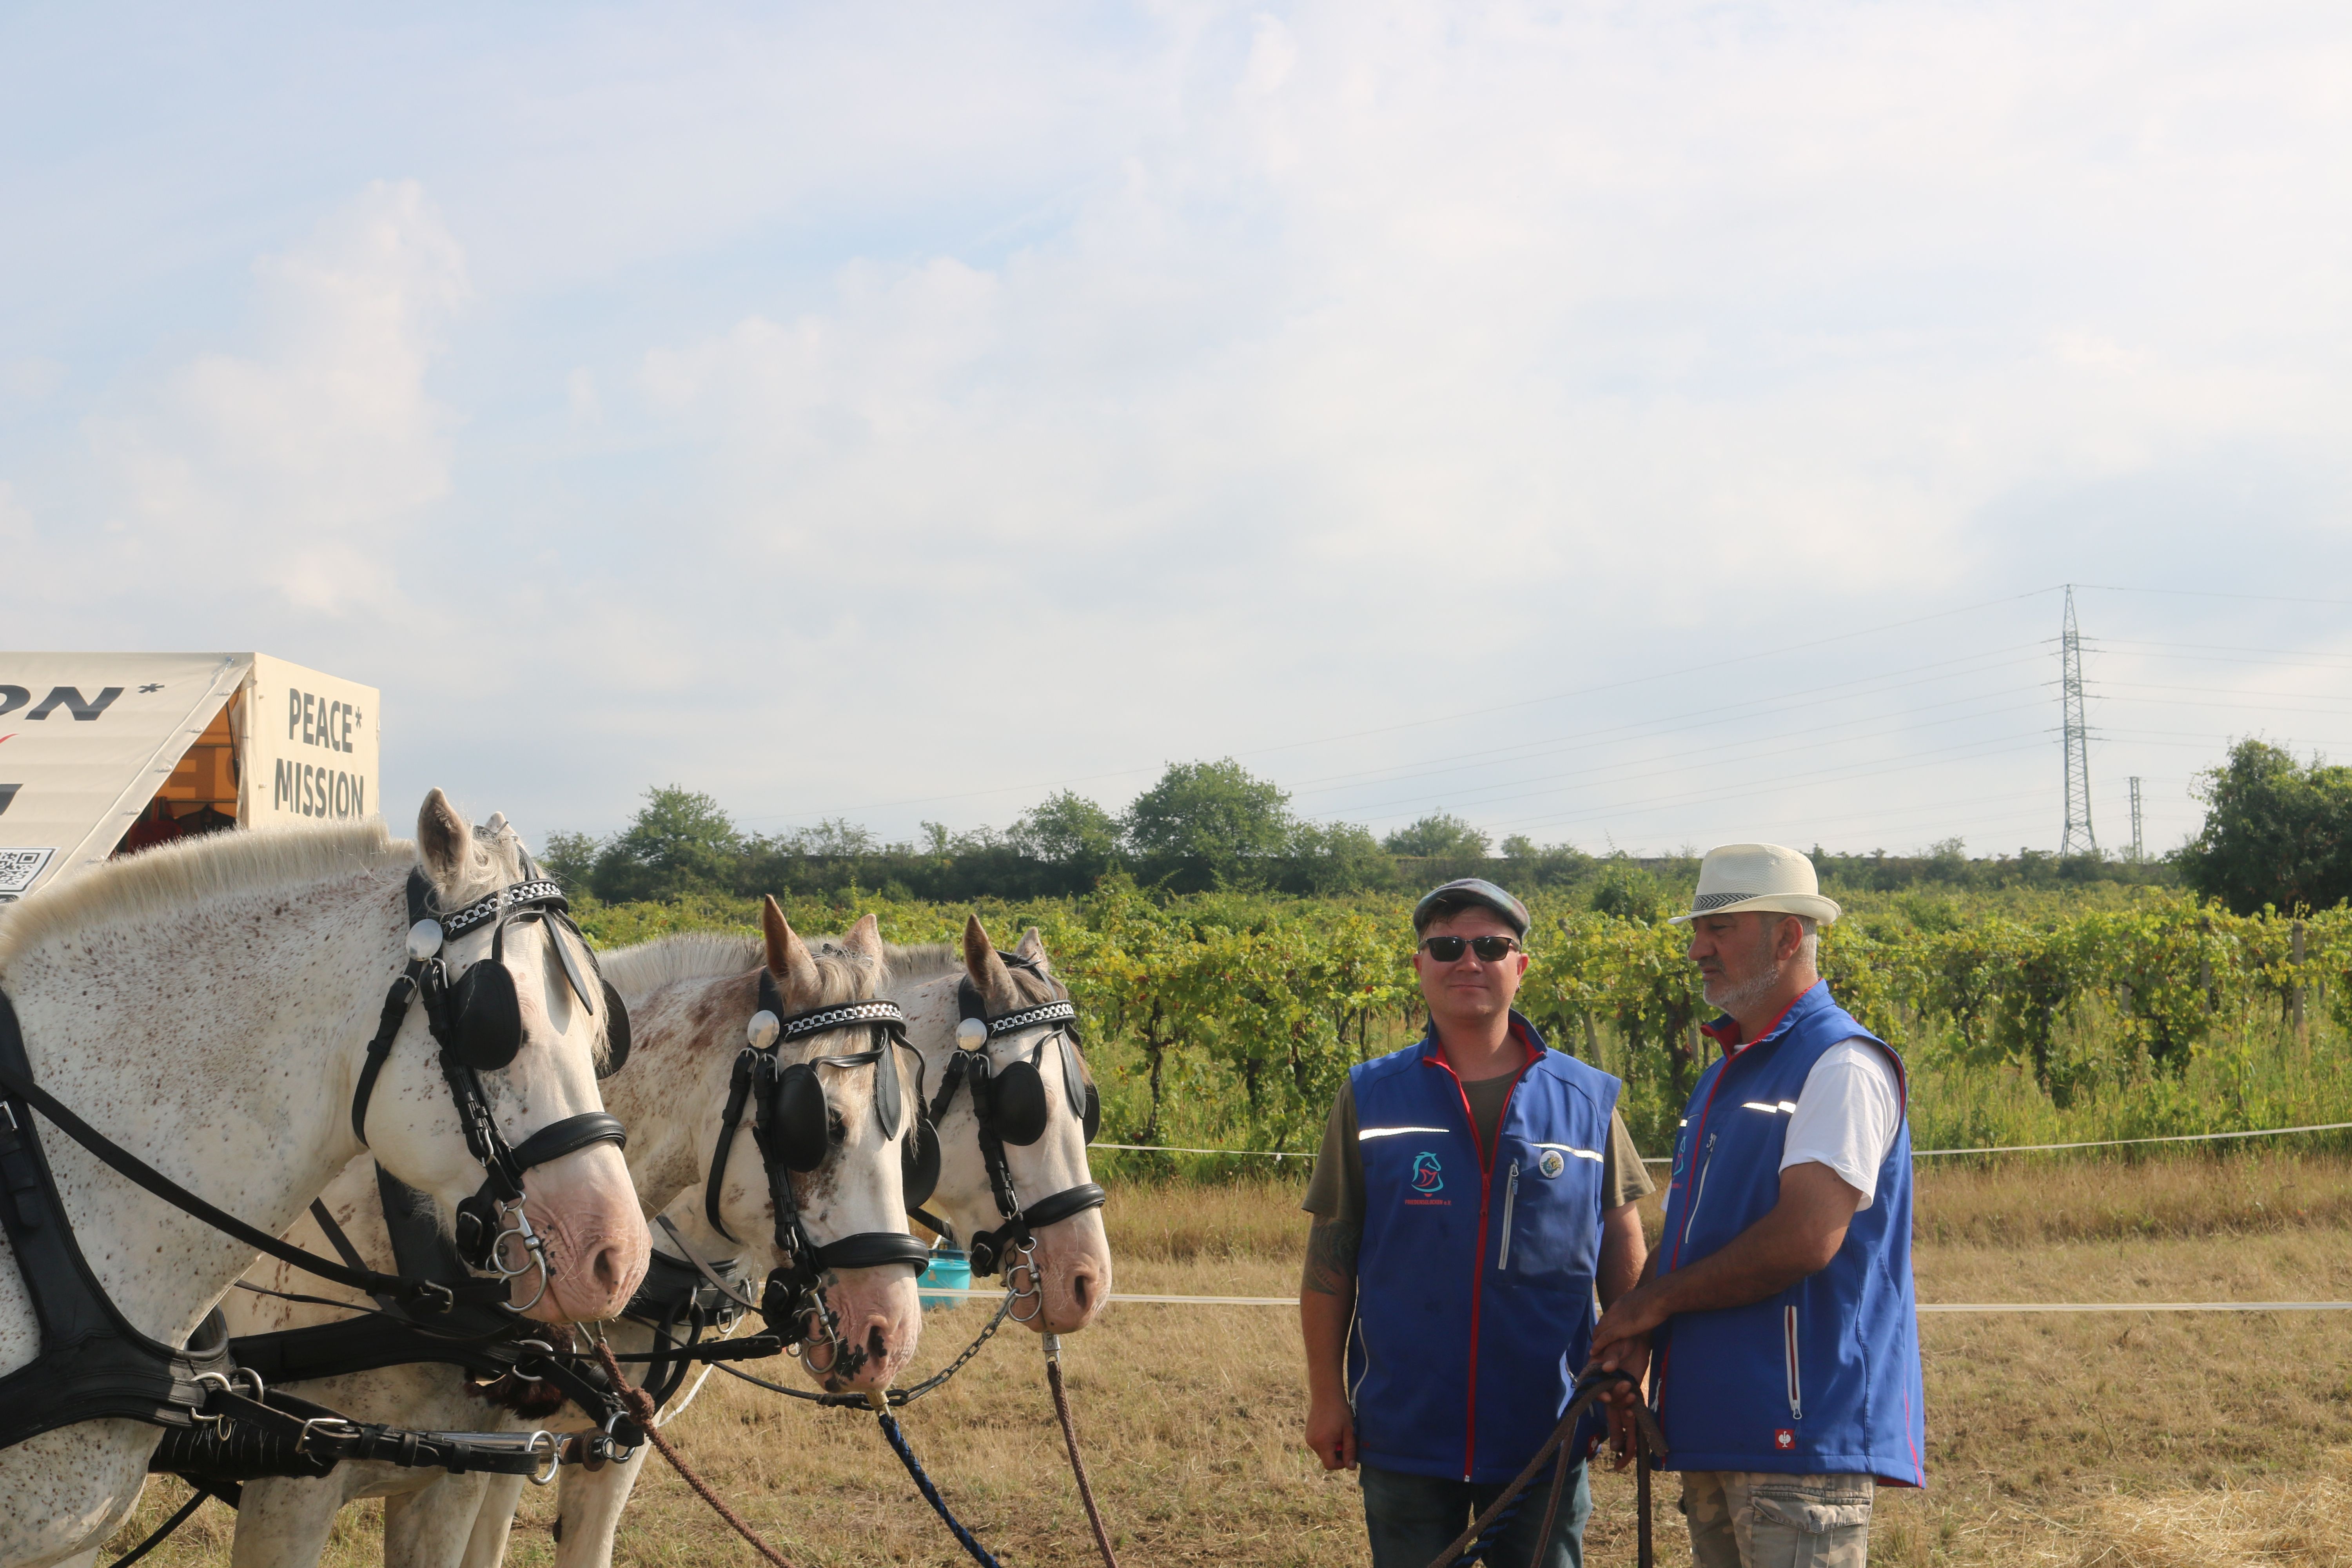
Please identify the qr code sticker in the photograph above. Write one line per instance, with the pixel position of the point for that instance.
(19, 867)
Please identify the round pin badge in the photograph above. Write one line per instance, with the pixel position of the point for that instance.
(1552, 1164)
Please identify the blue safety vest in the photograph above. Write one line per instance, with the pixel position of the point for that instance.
(1473, 1284)
(1823, 1378)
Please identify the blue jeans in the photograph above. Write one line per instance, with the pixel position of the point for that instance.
(1411, 1518)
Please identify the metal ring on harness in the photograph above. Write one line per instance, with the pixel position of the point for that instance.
(554, 1456)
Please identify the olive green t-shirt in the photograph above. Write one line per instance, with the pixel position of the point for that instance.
(1336, 1191)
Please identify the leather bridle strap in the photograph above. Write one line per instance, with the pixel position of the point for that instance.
(423, 1293)
(569, 1136)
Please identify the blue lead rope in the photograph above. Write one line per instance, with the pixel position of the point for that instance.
(931, 1494)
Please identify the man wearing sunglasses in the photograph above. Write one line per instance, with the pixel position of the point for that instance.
(1472, 1192)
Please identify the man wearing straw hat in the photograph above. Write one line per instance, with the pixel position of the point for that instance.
(1779, 1305)
(1474, 1193)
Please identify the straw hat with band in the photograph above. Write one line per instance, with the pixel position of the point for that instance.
(1770, 876)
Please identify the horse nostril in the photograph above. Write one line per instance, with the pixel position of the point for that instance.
(874, 1343)
(606, 1269)
(1081, 1289)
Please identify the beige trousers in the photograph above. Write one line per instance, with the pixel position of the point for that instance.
(1744, 1518)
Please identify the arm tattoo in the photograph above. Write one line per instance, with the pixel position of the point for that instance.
(1331, 1257)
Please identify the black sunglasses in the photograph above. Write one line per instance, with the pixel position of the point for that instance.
(1448, 948)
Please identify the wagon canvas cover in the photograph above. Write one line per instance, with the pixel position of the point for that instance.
(86, 740)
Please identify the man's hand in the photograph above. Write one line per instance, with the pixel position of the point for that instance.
(1632, 1357)
(1621, 1341)
(1331, 1432)
(1327, 1303)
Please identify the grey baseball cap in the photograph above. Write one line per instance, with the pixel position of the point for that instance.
(1464, 890)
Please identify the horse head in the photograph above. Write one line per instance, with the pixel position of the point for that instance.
(842, 1155)
(1069, 1267)
(529, 1023)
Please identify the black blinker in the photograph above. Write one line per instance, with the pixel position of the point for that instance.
(803, 1123)
(616, 1032)
(1093, 1113)
(1074, 1076)
(1019, 1103)
(918, 1164)
(487, 1016)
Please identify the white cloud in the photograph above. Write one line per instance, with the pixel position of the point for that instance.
(297, 463)
(1178, 381)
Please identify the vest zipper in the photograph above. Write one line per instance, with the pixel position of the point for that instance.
(1698, 1194)
(1796, 1386)
(1511, 1201)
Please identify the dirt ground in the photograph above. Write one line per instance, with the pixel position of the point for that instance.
(2125, 1440)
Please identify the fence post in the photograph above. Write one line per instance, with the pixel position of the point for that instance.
(2295, 991)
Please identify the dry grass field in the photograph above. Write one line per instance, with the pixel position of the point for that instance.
(2125, 1440)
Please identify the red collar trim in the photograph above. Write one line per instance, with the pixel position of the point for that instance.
(1436, 1056)
(1727, 1034)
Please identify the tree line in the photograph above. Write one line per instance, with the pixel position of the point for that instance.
(1202, 826)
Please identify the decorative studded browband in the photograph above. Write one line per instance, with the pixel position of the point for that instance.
(841, 1016)
(539, 890)
(1030, 1018)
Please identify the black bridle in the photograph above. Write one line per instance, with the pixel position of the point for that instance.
(1009, 1106)
(475, 1019)
(792, 1125)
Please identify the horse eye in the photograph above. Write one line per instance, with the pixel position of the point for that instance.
(835, 1127)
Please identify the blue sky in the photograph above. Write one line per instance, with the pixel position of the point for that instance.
(900, 412)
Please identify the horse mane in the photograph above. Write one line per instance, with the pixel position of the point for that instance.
(161, 882)
(688, 956)
(923, 960)
(929, 959)
(704, 955)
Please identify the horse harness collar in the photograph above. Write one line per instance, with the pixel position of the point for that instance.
(1010, 1105)
(792, 1124)
(94, 1364)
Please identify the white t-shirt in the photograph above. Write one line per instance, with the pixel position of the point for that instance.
(1847, 1115)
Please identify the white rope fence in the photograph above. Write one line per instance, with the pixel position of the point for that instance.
(1923, 1307)
(1916, 1154)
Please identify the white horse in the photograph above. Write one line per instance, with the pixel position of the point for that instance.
(690, 1000)
(208, 1005)
(1070, 1267)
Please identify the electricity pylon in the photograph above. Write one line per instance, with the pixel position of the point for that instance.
(2139, 851)
(2078, 838)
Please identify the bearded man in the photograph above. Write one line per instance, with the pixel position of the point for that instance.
(1780, 1300)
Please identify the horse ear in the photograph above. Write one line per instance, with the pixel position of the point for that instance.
(444, 840)
(864, 940)
(788, 956)
(987, 970)
(1033, 948)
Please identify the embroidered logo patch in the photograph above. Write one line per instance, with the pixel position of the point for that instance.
(1426, 1176)
(1552, 1164)
(1784, 1440)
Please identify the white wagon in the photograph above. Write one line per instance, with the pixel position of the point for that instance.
(101, 751)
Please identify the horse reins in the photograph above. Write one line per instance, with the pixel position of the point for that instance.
(1649, 1441)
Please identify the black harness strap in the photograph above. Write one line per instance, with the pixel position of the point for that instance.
(92, 1363)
